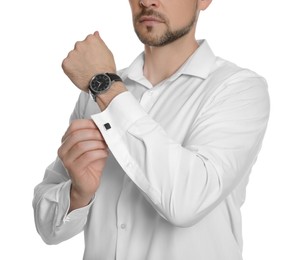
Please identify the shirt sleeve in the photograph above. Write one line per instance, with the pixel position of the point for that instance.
(184, 182)
(52, 200)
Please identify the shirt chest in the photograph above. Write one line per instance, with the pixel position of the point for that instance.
(174, 105)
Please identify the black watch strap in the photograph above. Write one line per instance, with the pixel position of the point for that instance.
(113, 77)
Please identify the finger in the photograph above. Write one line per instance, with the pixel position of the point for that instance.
(66, 62)
(88, 36)
(81, 148)
(97, 35)
(77, 137)
(86, 159)
(79, 124)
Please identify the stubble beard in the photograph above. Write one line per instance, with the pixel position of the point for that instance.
(165, 38)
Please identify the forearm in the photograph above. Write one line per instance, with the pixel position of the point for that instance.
(184, 177)
(168, 174)
(180, 185)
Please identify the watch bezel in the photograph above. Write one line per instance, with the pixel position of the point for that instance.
(109, 77)
(104, 78)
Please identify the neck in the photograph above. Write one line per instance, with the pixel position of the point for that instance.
(162, 62)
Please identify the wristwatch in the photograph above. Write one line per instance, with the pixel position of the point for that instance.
(100, 83)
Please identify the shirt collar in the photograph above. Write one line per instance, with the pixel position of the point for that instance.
(199, 64)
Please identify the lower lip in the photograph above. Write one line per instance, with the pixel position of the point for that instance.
(150, 22)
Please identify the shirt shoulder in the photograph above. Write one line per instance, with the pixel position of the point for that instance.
(230, 82)
(225, 69)
(225, 74)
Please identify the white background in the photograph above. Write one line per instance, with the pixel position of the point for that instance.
(36, 100)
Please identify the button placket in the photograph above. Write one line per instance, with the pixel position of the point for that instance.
(148, 99)
(123, 226)
(122, 216)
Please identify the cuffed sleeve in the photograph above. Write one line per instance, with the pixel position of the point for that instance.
(52, 198)
(186, 181)
(121, 120)
(51, 204)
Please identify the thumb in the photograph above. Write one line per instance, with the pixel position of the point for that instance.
(96, 33)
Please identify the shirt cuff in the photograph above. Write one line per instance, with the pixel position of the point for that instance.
(122, 112)
(64, 203)
(114, 123)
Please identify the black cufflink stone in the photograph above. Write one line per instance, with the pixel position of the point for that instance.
(107, 126)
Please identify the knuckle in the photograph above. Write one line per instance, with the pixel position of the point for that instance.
(74, 125)
(64, 63)
(105, 153)
(59, 153)
(89, 37)
(95, 134)
(79, 146)
(73, 137)
(67, 164)
(104, 145)
(77, 45)
(66, 60)
(102, 154)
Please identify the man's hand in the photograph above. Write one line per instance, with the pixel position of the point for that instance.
(88, 58)
(83, 153)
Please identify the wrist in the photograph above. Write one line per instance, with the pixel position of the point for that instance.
(78, 199)
(104, 99)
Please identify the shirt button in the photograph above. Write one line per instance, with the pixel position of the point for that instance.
(123, 226)
(150, 93)
(129, 165)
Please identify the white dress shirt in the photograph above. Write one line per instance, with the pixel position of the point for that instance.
(181, 155)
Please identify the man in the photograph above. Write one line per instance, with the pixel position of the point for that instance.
(154, 166)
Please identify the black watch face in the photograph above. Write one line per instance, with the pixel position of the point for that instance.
(100, 83)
